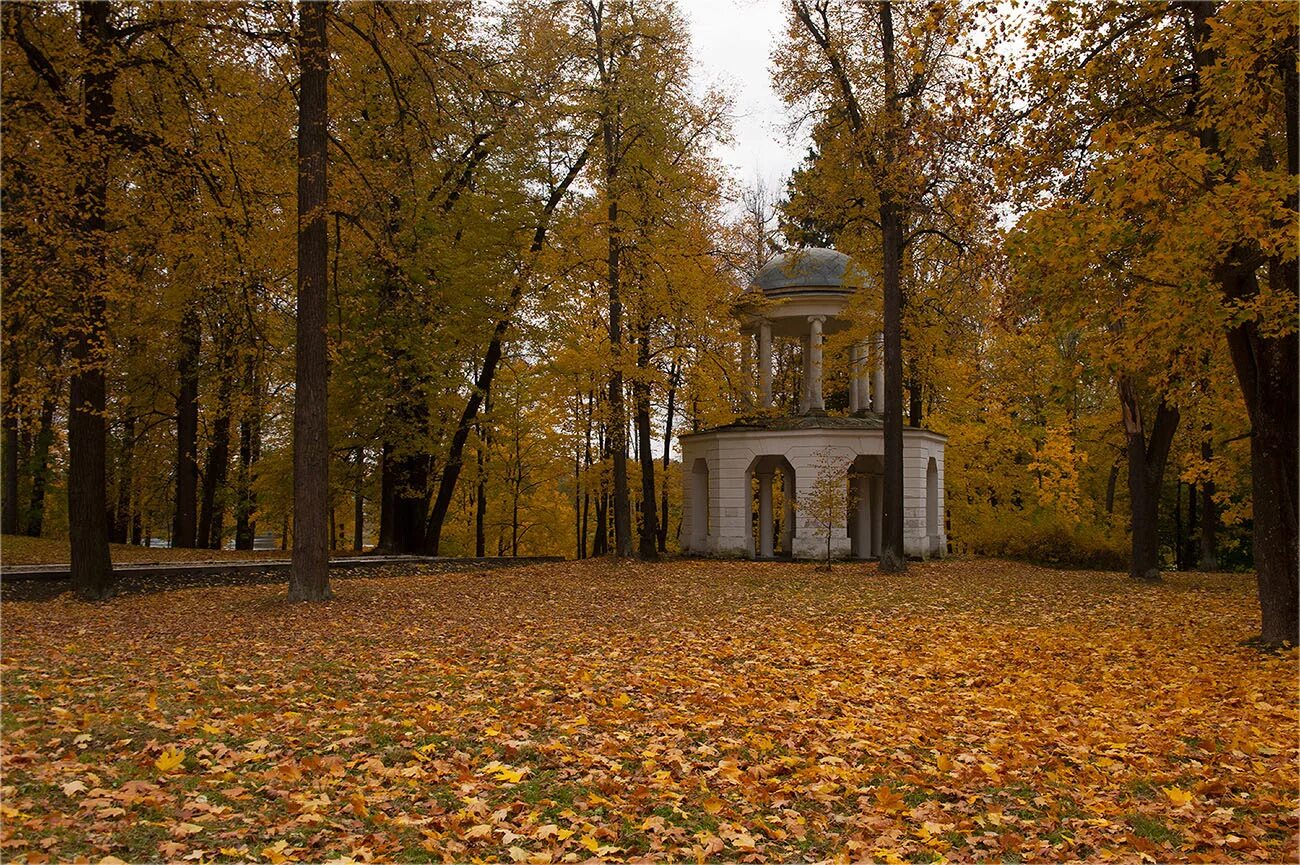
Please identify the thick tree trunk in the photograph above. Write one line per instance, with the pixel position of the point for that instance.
(1209, 519)
(1266, 370)
(185, 523)
(1146, 470)
(309, 579)
(892, 558)
(617, 413)
(9, 509)
(408, 478)
(1267, 373)
(92, 570)
(217, 466)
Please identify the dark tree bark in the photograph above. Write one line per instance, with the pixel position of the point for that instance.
(480, 497)
(1178, 526)
(9, 509)
(407, 463)
(1209, 520)
(1146, 470)
(892, 558)
(586, 490)
(309, 579)
(480, 503)
(1111, 480)
(649, 538)
(1267, 371)
(249, 452)
(915, 401)
(611, 133)
(407, 476)
(577, 478)
(673, 375)
(217, 466)
(617, 413)
(92, 570)
(34, 522)
(185, 523)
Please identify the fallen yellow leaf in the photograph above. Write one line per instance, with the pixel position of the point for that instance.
(170, 760)
(512, 775)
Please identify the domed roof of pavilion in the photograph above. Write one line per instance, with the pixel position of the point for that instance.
(808, 270)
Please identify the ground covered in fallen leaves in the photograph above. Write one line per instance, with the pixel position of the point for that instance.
(728, 711)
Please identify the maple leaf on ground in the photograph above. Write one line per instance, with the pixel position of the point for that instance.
(888, 800)
(170, 760)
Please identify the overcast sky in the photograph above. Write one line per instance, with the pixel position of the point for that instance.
(732, 45)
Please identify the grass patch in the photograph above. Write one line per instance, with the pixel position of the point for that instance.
(1153, 830)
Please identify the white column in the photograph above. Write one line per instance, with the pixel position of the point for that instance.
(765, 364)
(747, 364)
(765, 514)
(862, 377)
(854, 392)
(787, 518)
(804, 359)
(815, 401)
(878, 386)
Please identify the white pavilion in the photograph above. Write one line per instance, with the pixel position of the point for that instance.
(735, 476)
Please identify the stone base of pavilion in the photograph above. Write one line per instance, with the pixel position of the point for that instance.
(742, 483)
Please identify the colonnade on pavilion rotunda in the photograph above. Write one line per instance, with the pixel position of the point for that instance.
(742, 482)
